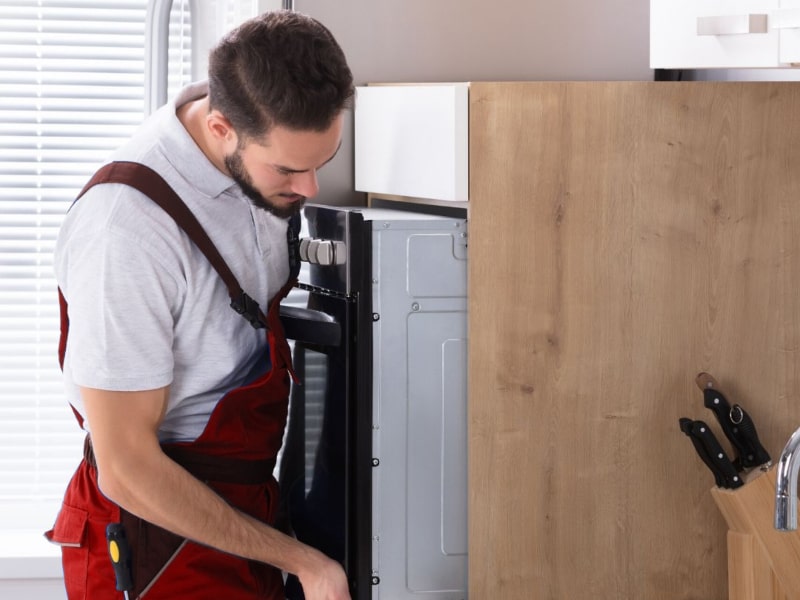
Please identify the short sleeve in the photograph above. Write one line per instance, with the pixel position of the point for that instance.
(123, 295)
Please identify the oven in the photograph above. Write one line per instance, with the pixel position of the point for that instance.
(373, 467)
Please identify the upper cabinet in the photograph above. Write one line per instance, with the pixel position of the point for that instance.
(412, 141)
(707, 34)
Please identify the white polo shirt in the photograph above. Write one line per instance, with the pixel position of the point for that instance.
(146, 309)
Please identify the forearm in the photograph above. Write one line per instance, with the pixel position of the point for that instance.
(155, 488)
(135, 473)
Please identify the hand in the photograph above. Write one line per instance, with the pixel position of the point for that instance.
(325, 582)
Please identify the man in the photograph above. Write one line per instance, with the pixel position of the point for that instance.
(183, 399)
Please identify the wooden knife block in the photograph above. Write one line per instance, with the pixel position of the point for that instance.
(763, 563)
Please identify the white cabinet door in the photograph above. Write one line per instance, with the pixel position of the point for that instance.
(412, 140)
(704, 34)
(786, 21)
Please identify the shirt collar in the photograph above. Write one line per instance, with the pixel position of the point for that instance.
(182, 151)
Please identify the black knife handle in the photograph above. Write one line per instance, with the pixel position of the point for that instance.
(716, 454)
(739, 428)
(756, 455)
(716, 402)
(686, 427)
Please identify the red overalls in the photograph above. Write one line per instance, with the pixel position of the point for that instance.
(235, 455)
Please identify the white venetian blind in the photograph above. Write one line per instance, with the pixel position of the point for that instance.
(71, 91)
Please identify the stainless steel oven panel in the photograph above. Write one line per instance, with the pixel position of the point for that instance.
(392, 417)
(350, 228)
(420, 409)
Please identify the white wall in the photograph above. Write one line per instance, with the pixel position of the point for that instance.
(472, 40)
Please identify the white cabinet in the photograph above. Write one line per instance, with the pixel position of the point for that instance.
(412, 140)
(705, 34)
(787, 22)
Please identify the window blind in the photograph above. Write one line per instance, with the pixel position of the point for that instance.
(71, 75)
(71, 91)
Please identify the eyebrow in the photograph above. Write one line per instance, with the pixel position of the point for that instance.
(292, 171)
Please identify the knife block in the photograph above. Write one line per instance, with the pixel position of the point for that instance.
(763, 563)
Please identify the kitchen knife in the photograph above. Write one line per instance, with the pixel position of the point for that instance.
(736, 424)
(686, 427)
(712, 453)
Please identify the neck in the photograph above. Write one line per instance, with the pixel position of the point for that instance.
(192, 116)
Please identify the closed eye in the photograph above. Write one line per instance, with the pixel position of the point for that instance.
(286, 171)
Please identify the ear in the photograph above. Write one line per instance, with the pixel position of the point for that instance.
(220, 128)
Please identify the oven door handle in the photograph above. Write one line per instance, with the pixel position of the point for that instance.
(309, 326)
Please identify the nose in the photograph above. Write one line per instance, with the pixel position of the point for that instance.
(305, 183)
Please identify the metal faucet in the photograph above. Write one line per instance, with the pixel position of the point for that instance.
(786, 485)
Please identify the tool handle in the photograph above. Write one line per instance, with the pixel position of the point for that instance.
(120, 553)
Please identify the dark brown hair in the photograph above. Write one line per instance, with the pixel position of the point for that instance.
(280, 68)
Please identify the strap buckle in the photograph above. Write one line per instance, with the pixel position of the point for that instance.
(248, 308)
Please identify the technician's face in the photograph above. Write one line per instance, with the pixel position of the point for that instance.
(279, 172)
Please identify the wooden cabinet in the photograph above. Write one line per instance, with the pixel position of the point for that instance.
(623, 238)
(687, 34)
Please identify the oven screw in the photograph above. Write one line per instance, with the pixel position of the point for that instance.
(415, 306)
(376, 538)
(376, 580)
(375, 462)
(376, 317)
(375, 281)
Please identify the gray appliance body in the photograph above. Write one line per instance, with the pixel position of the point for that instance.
(376, 447)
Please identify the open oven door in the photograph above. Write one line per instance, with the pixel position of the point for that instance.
(324, 470)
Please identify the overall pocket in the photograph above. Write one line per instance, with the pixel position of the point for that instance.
(70, 532)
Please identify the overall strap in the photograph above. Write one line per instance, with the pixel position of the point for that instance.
(152, 185)
(293, 242)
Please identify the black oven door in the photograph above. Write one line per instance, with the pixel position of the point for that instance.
(325, 465)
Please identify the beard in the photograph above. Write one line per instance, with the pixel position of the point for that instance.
(235, 166)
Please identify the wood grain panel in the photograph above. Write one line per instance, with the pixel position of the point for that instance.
(770, 572)
(623, 238)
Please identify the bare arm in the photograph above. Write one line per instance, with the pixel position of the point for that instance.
(137, 475)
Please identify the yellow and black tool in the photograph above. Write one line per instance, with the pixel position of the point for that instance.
(120, 553)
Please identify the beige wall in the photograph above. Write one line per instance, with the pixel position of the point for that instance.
(471, 40)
